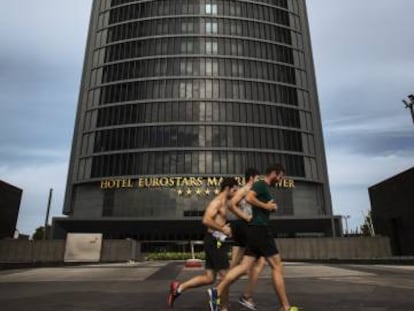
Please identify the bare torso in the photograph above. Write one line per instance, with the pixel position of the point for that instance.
(220, 205)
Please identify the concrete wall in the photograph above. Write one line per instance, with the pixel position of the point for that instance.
(120, 250)
(335, 248)
(15, 251)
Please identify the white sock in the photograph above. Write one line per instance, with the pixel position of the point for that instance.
(179, 289)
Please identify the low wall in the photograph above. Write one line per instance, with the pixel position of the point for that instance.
(16, 251)
(335, 248)
(120, 250)
(23, 251)
(52, 251)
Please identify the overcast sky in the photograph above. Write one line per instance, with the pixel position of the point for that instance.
(364, 57)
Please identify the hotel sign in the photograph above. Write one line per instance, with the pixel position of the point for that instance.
(183, 185)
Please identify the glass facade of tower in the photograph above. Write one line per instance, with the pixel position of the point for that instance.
(195, 88)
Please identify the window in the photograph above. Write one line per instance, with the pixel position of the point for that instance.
(182, 89)
(186, 47)
(187, 27)
(211, 47)
(211, 9)
(186, 67)
(211, 27)
(189, 89)
(209, 68)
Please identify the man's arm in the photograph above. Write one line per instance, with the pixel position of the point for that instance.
(251, 198)
(234, 205)
(209, 218)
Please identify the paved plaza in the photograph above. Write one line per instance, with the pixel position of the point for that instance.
(144, 286)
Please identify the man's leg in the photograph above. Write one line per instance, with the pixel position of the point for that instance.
(237, 254)
(253, 278)
(217, 293)
(224, 299)
(275, 263)
(200, 280)
(235, 273)
(176, 289)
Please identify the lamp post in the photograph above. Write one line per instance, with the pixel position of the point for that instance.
(346, 217)
(410, 105)
(47, 214)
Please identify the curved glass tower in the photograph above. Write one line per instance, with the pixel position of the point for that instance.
(194, 89)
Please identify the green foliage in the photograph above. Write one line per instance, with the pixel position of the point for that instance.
(367, 228)
(173, 256)
(39, 232)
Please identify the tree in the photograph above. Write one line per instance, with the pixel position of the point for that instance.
(367, 228)
(39, 232)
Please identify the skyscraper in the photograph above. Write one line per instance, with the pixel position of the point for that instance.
(176, 94)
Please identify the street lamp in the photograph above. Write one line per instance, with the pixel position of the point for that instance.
(410, 105)
(45, 237)
(346, 217)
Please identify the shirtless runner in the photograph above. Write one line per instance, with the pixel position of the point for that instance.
(216, 251)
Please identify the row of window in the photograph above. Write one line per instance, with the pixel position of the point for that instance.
(162, 203)
(198, 136)
(191, 162)
(199, 89)
(197, 45)
(210, 26)
(198, 67)
(217, 7)
(198, 112)
(181, 3)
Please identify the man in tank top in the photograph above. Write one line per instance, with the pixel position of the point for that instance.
(240, 216)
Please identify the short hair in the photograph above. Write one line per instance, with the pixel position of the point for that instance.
(278, 168)
(250, 172)
(228, 182)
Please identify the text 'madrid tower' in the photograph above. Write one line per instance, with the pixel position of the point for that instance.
(175, 95)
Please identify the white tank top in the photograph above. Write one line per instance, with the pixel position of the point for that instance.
(244, 207)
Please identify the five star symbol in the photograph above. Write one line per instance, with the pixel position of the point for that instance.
(198, 191)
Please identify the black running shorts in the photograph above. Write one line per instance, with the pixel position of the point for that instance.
(216, 256)
(260, 242)
(239, 232)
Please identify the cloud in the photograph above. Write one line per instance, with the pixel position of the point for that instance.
(40, 69)
(363, 56)
(36, 180)
(41, 59)
(351, 174)
(48, 30)
(364, 67)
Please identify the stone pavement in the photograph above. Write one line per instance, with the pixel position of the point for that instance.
(144, 286)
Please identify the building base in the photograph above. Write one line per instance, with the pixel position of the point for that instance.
(188, 229)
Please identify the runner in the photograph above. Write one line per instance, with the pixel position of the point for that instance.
(243, 211)
(216, 251)
(260, 242)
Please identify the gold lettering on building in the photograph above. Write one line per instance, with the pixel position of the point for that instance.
(164, 182)
(141, 183)
(179, 182)
(212, 182)
(116, 183)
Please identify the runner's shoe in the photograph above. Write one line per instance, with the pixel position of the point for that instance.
(214, 300)
(293, 308)
(247, 303)
(173, 295)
